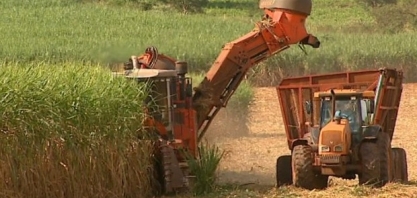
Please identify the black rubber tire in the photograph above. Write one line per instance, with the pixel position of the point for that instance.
(157, 180)
(384, 145)
(396, 166)
(283, 171)
(371, 169)
(400, 173)
(303, 174)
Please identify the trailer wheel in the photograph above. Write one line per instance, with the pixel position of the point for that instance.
(384, 145)
(400, 173)
(303, 174)
(284, 171)
(371, 168)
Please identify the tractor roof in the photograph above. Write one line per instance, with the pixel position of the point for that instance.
(345, 92)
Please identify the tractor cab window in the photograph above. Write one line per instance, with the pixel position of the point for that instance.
(345, 108)
(326, 110)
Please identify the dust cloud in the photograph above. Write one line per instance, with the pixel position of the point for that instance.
(252, 140)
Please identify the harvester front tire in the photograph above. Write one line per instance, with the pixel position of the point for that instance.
(399, 158)
(303, 173)
(371, 168)
(284, 171)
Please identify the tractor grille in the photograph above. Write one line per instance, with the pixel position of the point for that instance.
(331, 138)
(330, 159)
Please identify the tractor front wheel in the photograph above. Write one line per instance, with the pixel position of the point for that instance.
(303, 173)
(385, 156)
(371, 167)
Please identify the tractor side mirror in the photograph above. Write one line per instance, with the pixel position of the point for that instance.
(308, 107)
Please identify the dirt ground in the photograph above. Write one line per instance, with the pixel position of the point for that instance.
(251, 156)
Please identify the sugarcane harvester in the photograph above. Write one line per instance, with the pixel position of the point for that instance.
(183, 114)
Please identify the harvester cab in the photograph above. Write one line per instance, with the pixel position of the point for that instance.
(170, 118)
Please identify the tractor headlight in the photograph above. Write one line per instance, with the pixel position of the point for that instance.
(325, 148)
(338, 148)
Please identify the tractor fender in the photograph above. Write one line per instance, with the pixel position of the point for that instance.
(297, 142)
(371, 132)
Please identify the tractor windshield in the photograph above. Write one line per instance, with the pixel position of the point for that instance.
(345, 108)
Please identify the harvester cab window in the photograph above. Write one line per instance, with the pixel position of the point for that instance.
(158, 102)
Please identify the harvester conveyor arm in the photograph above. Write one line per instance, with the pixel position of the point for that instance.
(279, 29)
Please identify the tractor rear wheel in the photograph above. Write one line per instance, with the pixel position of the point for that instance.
(303, 173)
(371, 168)
(399, 159)
(284, 171)
(384, 145)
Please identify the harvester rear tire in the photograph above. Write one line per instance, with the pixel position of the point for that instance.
(303, 173)
(400, 173)
(371, 168)
(284, 171)
(384, 144)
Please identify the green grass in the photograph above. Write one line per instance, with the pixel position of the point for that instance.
(338, 15)
(65, 31)
(350, 51)
(205, 168)
(72, 131)
(71, 124)
(241, 98)
(102, 33)
(48, 46)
